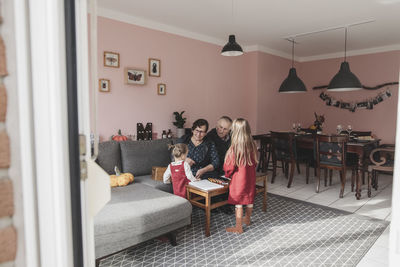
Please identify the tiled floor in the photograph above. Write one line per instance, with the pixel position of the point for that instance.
(378, 206)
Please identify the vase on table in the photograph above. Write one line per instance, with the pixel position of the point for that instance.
(180, 132)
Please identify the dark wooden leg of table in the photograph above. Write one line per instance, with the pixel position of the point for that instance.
(292, 167)
(265, 194)
(208, 214)
(262, 157)
(268, 158)
(319, 179)
(358, 177)
(369, 183)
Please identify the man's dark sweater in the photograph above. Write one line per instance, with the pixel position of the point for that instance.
(221, 145)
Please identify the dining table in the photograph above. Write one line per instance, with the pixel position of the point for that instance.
(362, 148)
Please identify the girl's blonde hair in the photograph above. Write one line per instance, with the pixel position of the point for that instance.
(178, 150)
(243, 150)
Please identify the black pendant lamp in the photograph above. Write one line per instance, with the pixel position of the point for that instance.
(292, 84)
(344, 80)
(232, 48)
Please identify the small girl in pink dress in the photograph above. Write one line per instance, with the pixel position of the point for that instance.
(179, 170)
(240, 165)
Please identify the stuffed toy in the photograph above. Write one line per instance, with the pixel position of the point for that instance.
(120, 179)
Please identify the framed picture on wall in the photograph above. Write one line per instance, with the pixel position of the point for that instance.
(154, 67)
(161, 89)
(135, 76)
(104, 85)
(111, 59)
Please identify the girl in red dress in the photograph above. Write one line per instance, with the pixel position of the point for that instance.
(179, 170)
(240, 166)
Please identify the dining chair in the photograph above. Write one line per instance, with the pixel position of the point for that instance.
(331, 155)
(382, 159)
(353, 157)
(264, 152)
(304, 155)
(283, 148)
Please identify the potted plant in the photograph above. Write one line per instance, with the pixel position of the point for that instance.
(179, 123)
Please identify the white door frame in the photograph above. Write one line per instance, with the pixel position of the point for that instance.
(30, 234)
(95, 190)
(50, 134)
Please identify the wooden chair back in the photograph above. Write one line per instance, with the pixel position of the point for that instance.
(382, 159)
(282, 145)
(331, 150)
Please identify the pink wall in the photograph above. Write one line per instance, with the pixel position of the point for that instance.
(275, 111)
(199, 80)
(207, 85)
(372, 69)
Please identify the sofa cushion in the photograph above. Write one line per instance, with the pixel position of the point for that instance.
(139, 156)
(109, 156)
(137, 209)
(146, 179)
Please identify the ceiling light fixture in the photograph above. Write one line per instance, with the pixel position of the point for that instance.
(292, 84)
(344, 80)
(232, 48)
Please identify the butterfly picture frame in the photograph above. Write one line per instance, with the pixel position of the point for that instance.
(111, 59)
(135, 76)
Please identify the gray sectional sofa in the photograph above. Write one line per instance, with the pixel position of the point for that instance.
(142, 210)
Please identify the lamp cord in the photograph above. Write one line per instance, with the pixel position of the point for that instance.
(292, 52)
(345, 43)
(233, 17)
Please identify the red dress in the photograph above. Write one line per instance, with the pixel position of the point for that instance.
(179, 179)
(242, 187)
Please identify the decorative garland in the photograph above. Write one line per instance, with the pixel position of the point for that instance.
(363, 86)
(368, 104)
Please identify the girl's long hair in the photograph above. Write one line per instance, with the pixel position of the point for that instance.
(243, 150)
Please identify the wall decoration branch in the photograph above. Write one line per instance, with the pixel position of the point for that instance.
(365, 104)
(364, 86)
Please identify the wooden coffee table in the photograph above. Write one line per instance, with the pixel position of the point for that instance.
(195, 195)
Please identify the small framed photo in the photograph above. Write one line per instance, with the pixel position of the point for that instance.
(135, 76)
(154, 67)
(161, 89)
(104, 85)
(111, 59)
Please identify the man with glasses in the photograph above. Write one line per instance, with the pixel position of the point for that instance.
(221, 137)
(202, 157)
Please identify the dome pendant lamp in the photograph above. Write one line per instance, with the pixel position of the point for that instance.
(344, 80)
(292, 84)
(232, 48)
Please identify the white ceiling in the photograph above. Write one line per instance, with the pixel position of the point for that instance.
(263, 24)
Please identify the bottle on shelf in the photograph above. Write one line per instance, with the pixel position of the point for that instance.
(148, 131)
(169, 134)
(164, 134)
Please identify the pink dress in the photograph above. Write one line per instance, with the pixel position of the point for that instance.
(242, 187)
(179, 179)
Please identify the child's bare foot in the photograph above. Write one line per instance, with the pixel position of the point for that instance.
(246, 221)
(236, 229)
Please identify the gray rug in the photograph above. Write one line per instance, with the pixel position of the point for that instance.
(290, 233)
